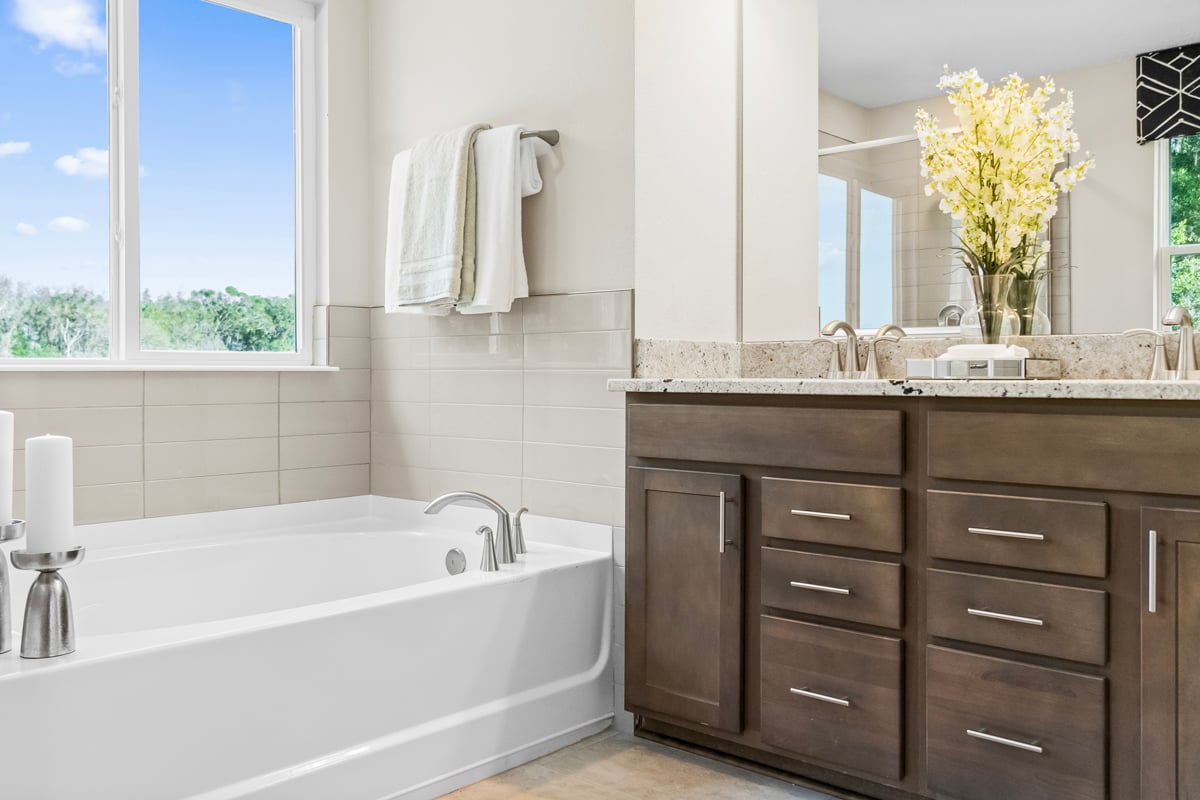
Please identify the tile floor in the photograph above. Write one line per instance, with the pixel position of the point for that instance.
(616, 765)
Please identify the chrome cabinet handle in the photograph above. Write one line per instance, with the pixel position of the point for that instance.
(983, 612)
(1036, 537)
(721, 524)
(1152, 567)
(1031, 747)
(844, 702)
(800, 512)
(816, 587)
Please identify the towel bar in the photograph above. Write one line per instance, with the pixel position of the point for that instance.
(550, 137)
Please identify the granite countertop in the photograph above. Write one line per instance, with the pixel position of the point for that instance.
(1074, 389)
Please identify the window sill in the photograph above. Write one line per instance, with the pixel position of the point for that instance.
(132, 367)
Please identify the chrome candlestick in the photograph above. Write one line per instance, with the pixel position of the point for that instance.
(49, 627)
(9, 532)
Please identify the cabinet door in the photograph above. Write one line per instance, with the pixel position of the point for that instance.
(1170, 654)
(683, 615)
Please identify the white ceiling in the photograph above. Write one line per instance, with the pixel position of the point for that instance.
(878, 52)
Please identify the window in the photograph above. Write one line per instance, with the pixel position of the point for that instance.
(156, 171)
(855, 253)
(1179, 237)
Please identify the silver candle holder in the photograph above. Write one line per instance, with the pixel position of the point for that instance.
(9, 532)
(49, 627)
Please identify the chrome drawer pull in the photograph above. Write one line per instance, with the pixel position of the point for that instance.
(983, 612)
(816, 587)
(988, 737)
(1152, 578)
(1036, 537)
(721, 524)
(800, 512)
(844, 702)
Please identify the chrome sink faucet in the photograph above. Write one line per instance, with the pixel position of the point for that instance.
(1185, 361)
(889, 333)
(852, 369)
(504, 548)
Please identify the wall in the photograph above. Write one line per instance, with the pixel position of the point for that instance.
(543, 63)
(158, 443)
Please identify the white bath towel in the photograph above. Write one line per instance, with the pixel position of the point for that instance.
(506, 169)
(430, 257)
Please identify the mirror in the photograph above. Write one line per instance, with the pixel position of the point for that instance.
(883, 245)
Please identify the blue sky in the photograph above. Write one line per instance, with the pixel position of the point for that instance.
(216, 124)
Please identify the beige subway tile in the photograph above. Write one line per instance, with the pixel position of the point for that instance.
(196, 388)
(400, 354)
(410, 483)
(350, 321)
(218, 457)
(596, 350)
(88, 427)
(108, 503)
(604, 466)
(70, 389)
(300, 419)
(120, 463)
(476, 352)
(476, 324)
(400, 450)
(490, 456)
(475, 421)
(410, 418)
(324, 450)
(504, 489)
(398, 326)
(501, 387)
(400, 386)
(589, 426)
(322, 483)
(308, 387)
(579, 501)
(573, 389)
(192, 423)
(349, 353)
(595, 311)
(212, 493)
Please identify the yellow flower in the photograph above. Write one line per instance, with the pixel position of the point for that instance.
(997, 174)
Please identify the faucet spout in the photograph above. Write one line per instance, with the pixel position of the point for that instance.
(1185, 361)
(505, 553)
(852, 364)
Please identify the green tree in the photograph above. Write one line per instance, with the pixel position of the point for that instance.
(1185, 221)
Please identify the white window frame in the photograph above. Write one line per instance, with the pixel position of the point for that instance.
(124, 263)
(1162, 230)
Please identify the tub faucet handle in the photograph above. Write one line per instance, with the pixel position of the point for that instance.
(518, 534)
(488, 562)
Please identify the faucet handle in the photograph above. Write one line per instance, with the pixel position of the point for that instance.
(1158, 369)
(871, 373)
(518, 535)
(488, 562)
(835, 359)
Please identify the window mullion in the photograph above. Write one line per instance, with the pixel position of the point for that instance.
(124, 168)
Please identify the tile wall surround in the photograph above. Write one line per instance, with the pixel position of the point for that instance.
(151, 444)
(1095, 356)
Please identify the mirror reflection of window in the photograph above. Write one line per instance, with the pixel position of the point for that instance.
(831, 236)
(875, 268)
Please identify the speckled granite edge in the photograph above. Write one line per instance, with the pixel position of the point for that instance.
(694, 359)
(1075, 389)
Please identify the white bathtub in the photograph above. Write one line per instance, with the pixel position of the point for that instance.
(317, 650)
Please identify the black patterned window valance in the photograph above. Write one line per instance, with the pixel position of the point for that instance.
(1168, 93)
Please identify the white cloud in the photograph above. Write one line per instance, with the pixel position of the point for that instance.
(70, 68)
(13, 148)
(25, 229)
(67, 225)
(74, 24)
(88, 162)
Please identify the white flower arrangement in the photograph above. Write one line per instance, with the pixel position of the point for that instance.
(996, 175)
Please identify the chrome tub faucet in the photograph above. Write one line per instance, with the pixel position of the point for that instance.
(505, 554)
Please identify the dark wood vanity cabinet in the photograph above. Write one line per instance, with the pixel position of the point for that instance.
(926, 598)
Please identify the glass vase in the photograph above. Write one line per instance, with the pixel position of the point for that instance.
(996, 318)
(1023, 299)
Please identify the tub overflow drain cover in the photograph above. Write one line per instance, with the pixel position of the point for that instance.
(456, 561)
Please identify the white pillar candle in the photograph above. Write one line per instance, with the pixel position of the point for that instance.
(6, 467)
(49, 495)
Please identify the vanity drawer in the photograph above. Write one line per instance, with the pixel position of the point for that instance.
(833, 695)
(1031, 533)
(998, 730)
(846, 514)
(1057, 621)
(852, 589)
(840, 440)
